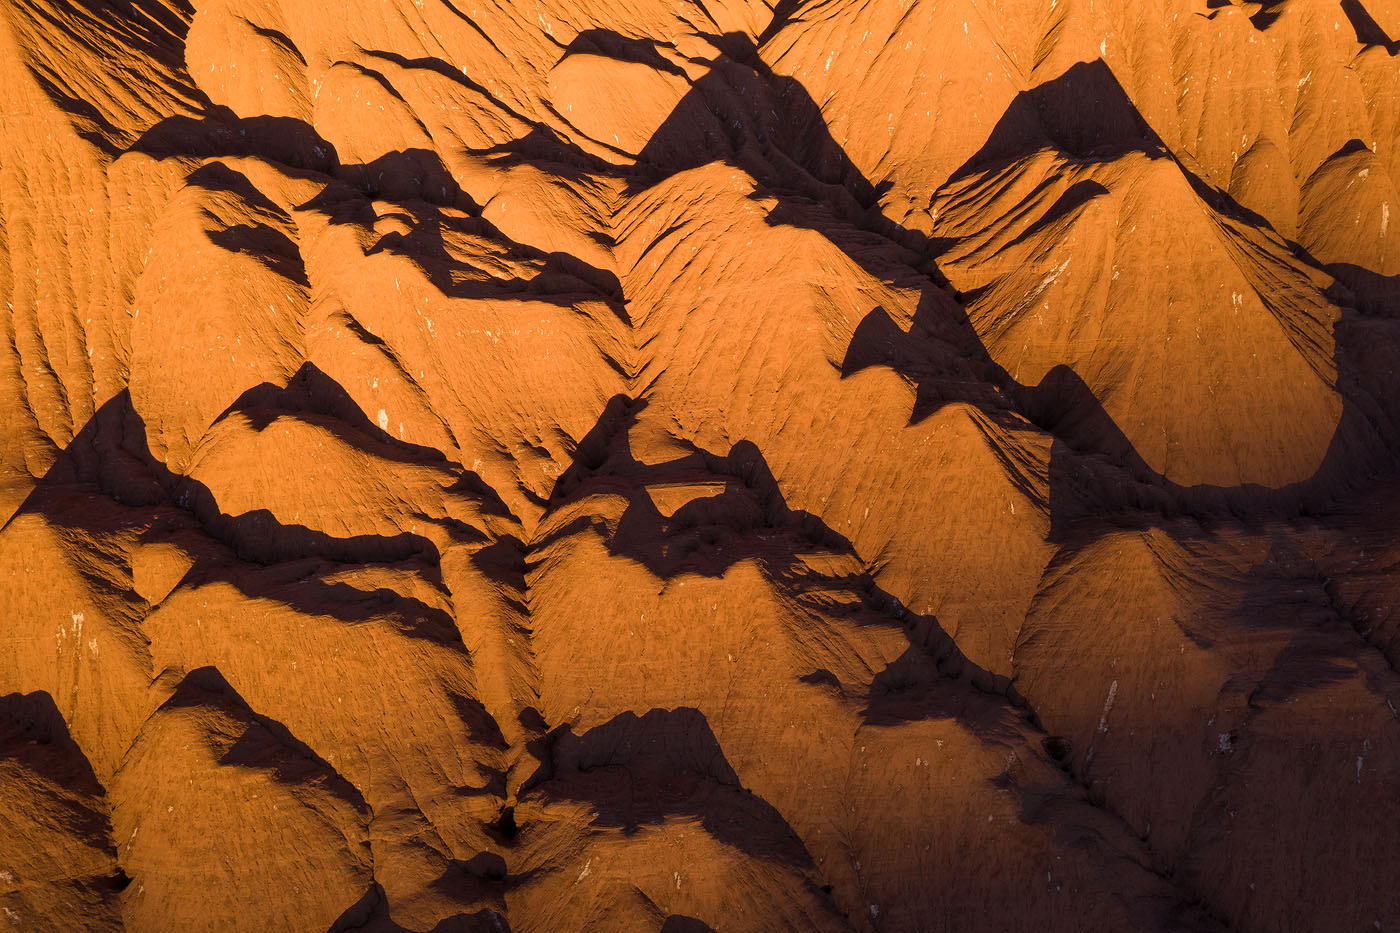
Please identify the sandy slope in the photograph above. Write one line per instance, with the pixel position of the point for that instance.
(652, 464)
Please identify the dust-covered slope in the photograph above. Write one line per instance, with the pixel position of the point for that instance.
(670, 465)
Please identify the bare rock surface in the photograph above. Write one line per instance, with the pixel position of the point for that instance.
(664, 465)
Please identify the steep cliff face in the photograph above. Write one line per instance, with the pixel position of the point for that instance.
(668, 465)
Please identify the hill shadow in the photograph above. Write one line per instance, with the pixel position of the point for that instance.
(671, 766)
(1085, 116)
(34, 734)
(1368, 31)
(1095, 470)
(265, 743)
(415, 178)
(724, 509)
(768, 125)
(33, 731)
(255, 552)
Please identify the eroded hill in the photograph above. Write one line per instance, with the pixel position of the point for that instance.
(677, 465)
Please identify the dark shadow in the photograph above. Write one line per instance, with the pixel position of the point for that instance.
(481, 728)
(148, 27)
(1307, 662)
(1269, 10)
(764, 123)
(265, 744)
(770, 127)
(216, 177)
(270, 246)
(738, 513)
(1084, 114)
(33, 731)
(544, 149)
(410, 175)
(89, 123)
(562, 278)
(1368, 31)
(279, 39)
(107, 483)
(778, 136)
(1287, 595)
(444, 70)
(641, 771)
(315, 398)
(480, 879)
(430, 199)
(679, 924)
(312, 396)
(67, 793)
(1067, 205)
(219, 132)
(1372, 292)
(108, 460)
(608, 44)
(122, 32)
(294, 145)
(268, 746)
(370, 913)
(767, 125)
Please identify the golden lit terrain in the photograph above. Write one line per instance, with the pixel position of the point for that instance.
(688, 465)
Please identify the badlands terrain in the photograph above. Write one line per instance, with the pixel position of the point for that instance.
(688, 465)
